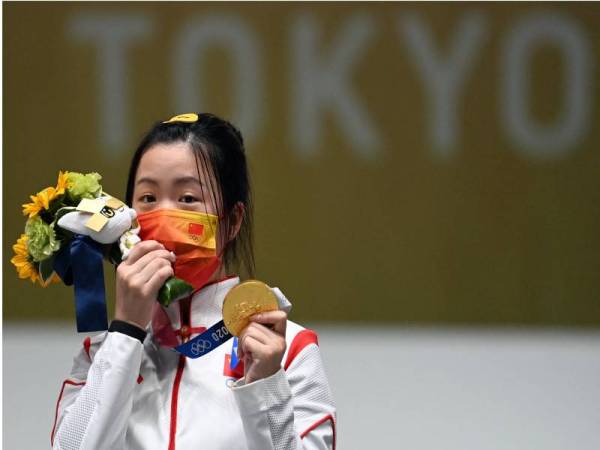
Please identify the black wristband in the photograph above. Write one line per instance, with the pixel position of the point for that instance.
(128, 329)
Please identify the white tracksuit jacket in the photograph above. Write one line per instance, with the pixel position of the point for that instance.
(121, 394)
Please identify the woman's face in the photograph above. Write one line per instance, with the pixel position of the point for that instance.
(167, 177)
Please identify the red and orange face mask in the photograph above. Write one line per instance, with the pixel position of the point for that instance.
(191, 235)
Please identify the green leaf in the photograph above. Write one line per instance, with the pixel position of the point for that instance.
(46, 268)
(174, 289)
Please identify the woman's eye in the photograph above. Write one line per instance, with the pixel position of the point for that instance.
(188, 199)
(147, 198)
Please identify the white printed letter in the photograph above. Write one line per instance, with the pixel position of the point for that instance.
(112, 35)
(537, 140)
(444, 77)
(231, 34)
(323, 82)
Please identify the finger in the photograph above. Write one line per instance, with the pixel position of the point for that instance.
(140, 249)
(260, 333)
(247, 365)
(276, 318)
(240, 351)
(146, 259)
(251, 346)
(144, 275)
(158, 278)
(242, 340)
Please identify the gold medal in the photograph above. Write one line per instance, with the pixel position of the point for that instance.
(243, 301)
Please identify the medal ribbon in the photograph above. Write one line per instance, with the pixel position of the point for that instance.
(80, 264)
(218, 334)
(205, 342)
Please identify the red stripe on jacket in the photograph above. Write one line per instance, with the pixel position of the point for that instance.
(87, 343)
(328, 417)
(62, 389)
(302, 339)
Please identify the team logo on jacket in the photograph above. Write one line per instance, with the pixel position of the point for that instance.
(236, 373)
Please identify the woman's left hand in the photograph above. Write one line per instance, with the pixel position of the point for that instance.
(262, 345)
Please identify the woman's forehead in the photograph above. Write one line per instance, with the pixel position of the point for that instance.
(174, 162)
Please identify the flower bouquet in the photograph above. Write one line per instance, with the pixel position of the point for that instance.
(69, 230)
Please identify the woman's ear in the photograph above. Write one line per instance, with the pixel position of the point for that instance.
(237, 216)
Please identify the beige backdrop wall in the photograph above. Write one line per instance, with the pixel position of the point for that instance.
(420, 163)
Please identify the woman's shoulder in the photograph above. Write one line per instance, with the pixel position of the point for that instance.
(85, 355)
(91, 344)
(299, 340)
(296, 331)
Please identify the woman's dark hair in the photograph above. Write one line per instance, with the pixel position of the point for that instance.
(219, 147)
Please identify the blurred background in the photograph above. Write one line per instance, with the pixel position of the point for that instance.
(426, 180)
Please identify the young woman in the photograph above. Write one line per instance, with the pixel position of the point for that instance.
(128, 388)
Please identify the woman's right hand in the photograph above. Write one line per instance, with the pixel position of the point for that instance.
(139, 278)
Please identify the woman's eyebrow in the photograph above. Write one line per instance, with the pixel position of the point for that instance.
(177, 181)
(146, 180)
(185, 180)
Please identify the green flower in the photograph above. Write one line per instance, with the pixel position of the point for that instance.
(83, 186)
(41, 240)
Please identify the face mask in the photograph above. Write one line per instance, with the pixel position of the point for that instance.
(191, 235)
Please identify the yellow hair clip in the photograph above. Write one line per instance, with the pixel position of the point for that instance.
(189, 117)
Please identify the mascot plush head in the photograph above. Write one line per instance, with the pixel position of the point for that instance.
(104, 219)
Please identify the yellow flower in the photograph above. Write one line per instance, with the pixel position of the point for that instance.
(62, 184)
(39, 201)
(43, 198)
(22, 260)
(24, 266)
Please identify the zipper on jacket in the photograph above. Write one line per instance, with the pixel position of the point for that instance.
(184, 316)
(174, 398)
